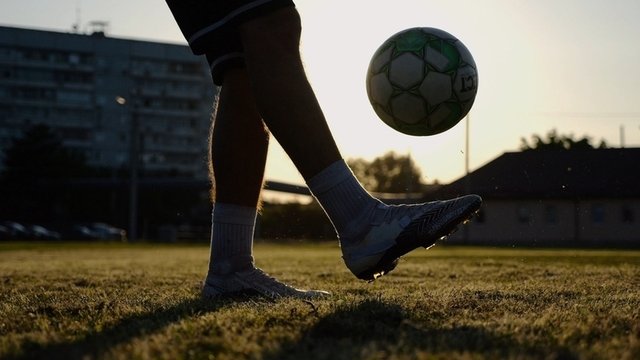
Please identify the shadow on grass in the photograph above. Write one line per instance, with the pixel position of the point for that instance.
(96, 344)
(368, 329)
(373, 329)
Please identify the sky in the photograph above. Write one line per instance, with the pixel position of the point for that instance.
(570, 65)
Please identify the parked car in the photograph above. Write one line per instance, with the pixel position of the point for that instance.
(39, 232)
(108, 232)
(96, 231)
(16, 230)
(83, 232)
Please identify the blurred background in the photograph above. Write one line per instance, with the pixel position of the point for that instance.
(104, 114)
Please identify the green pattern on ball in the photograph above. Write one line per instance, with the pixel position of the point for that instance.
(411, 41)
(449, 51)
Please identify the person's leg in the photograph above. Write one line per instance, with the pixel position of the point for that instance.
(284, 96)
(238, 146)
(239, 143)
(373, 235)
(291, 111)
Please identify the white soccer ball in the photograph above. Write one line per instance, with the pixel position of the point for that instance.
(422, 81)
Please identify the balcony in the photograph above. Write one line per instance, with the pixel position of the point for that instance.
(40, 64)
(170, 112)
(164, 75)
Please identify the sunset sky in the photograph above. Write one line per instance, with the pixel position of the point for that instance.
(565, 64)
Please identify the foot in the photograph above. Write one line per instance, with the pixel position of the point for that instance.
(397, 230)
(254, 282)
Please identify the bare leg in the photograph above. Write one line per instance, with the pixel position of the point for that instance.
(239, 144)
(283, 94)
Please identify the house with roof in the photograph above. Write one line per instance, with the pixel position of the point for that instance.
(554, 198)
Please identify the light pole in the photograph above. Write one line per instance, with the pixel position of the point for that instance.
(467, 175)
(467, 179)
(134, 155)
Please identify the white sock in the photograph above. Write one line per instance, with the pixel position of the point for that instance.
(347, 204)
(232, 229)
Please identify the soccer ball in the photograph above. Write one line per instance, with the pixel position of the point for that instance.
(422, 81)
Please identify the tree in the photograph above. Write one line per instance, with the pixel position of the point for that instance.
(554, 141)
(391, 173)
(31, 164)
(39, 153)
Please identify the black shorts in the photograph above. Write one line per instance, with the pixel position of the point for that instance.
(211, 28)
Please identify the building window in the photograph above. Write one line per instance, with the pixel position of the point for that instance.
(551, 214)
(597, 213)
(74, 59)
(73, 97)
(628, 215)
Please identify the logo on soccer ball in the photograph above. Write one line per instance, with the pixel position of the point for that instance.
(422, 81)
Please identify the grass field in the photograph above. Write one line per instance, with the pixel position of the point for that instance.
(142, 301)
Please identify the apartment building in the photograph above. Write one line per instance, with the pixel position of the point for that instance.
(108, 98)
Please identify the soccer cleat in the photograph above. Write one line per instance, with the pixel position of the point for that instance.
(254, 282)
(397, 230)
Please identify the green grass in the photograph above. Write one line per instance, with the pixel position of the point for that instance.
(119, 301)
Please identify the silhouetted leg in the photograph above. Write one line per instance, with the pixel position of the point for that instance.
(283, 94)
(239, 144)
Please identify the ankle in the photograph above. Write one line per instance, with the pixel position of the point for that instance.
(342, 197)
(227, 266)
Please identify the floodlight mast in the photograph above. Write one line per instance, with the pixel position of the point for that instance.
(134, 158)
(466, 154)
(134, 155)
